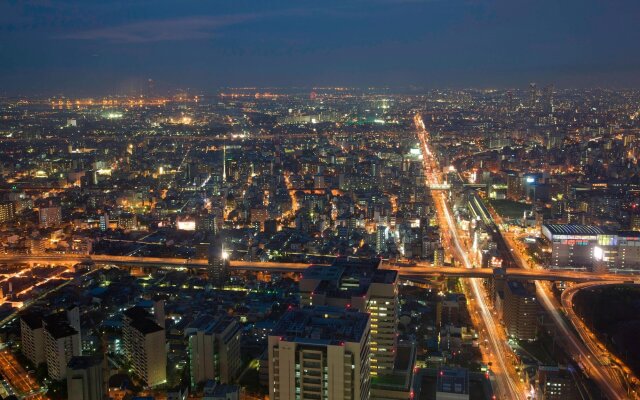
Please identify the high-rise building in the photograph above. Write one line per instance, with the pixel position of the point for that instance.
(214, 349)
(360, 285)
(50, 216)
(85, 380)
(218, 269)
(32, 337)
(452, 384)
(320, 353)
(144, 346)
(61, 342)
(520, 310)
(7, 211)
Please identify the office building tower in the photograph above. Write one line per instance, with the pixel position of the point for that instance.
(214, 349)
(320, 353)
(85, 380)
(520, 310)
(452, 384)
(360, 285)
(144, 346)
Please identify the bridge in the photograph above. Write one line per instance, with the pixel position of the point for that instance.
(416, 273)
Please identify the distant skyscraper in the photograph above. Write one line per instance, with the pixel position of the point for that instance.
(533, 96)
(547, 97)
(320, 353)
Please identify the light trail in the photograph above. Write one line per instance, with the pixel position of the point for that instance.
(507, 386)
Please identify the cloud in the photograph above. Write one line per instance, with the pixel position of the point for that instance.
(176, 29)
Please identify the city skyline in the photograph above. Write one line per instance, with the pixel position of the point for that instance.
(334, 200)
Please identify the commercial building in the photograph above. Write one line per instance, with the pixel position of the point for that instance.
(452, 384)
(571, 245)
(320, 353)
(589, 247)
(214, 349)
(85, 379)
(520, 310)
(617, 252)
(362, 286)
(144, 346)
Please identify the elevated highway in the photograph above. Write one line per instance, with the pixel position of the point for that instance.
(410, 272)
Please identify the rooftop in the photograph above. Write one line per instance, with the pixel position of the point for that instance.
(321, 326)
(83, 362)
(572, 229)
(517, 288)
(453, 380)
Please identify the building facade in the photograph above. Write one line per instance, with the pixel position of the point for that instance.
(144, 346)
(214, 349)
(320, 353)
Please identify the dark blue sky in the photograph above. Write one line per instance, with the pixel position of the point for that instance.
(112, 46)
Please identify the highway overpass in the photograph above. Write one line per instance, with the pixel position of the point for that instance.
(410, 272)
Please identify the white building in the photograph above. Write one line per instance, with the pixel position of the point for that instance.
(320, 353)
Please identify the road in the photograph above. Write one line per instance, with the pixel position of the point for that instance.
(507, 381)
(604, 367)
(18, 378)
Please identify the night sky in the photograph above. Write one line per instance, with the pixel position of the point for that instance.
(90, 47)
